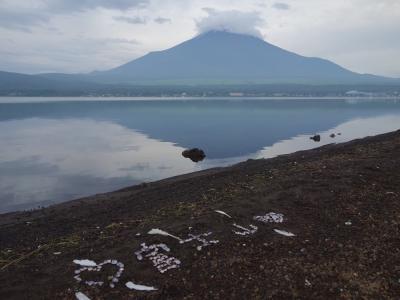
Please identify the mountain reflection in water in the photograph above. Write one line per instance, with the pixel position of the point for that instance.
(55, 151)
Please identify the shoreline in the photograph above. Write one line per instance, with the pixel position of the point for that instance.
(52, 99)
(340, 200)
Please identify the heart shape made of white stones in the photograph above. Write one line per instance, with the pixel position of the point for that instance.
(114, 279)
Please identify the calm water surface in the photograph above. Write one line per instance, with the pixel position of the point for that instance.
(56, 151)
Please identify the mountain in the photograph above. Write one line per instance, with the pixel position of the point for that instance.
(215, 64)
(23, 84)
(223, 57)
(10, 81)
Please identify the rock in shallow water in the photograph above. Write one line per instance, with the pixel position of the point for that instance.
(316, 138)
(194, 154)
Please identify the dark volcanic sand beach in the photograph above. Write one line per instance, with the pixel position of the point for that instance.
(341, 201)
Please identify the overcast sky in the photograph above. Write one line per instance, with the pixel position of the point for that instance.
(85, 35)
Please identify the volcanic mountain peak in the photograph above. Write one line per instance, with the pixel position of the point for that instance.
(225, 57)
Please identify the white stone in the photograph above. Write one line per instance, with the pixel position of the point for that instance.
(164, 233)
(81, 296)
(85, 262)
(285, 233)
(223, 213)
(132, 286)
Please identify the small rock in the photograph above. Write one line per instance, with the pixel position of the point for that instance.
(316, 138)
(287, 278)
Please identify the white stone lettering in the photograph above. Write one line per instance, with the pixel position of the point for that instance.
(270, 218)
(162, 262)
(200, 238)
(245, 231)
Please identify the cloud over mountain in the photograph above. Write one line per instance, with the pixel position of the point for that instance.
(281, 6)
(233, 21)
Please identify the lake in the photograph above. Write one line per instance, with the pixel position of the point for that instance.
(53, 151)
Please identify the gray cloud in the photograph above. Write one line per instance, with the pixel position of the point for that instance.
(161, 20)
(23, 16)
(131, 20)
(21, 21)
(82, 5)
(83, 54)
(136, 167)
(281, 6)
(232, 21)
(80, 36)
(116, 41)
